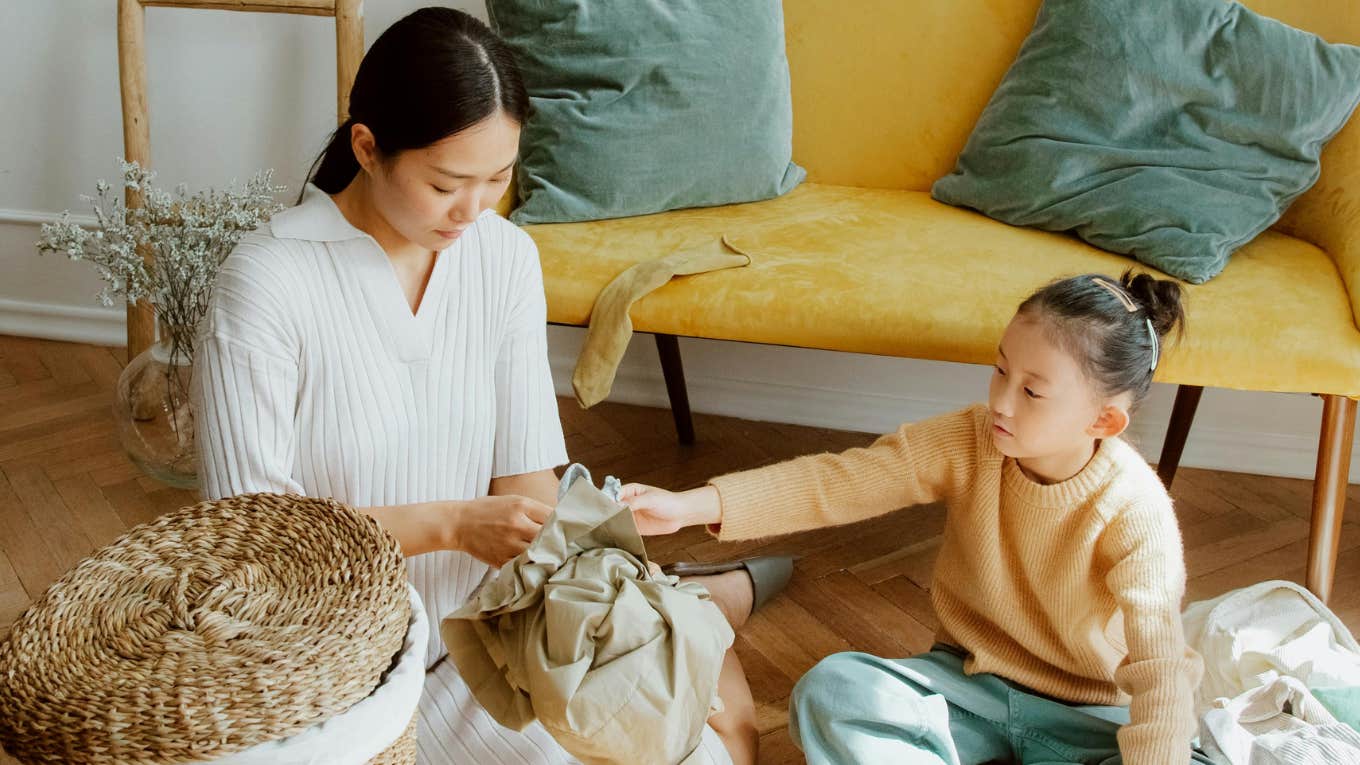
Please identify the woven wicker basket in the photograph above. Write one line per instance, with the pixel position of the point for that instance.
(215, 628)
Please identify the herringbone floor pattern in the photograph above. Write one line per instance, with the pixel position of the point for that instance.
(66, 489)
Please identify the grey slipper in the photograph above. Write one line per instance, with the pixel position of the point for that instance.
(769, 573)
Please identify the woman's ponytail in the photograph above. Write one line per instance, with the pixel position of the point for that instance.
(336, 166)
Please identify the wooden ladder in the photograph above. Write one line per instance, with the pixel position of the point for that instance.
(349, 50)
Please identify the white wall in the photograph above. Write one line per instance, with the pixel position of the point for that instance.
(231, 93)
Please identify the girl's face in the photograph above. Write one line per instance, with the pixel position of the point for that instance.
(431, 195)
(1043, 405)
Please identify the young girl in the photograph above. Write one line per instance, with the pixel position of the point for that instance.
(1060, 574)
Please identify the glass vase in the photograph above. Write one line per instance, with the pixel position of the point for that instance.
(155, 423)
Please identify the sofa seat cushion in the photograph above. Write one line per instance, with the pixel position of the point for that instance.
(896, 273)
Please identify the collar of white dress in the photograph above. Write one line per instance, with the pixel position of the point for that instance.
(315, 219)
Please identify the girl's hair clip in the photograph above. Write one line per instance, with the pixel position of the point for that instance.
(1156, 346)
(1132, 307)
(1118, 292)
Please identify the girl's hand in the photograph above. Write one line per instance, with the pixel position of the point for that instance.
(657, 511)
(495, 529)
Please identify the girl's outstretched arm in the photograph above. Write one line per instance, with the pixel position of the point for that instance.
(917, 464)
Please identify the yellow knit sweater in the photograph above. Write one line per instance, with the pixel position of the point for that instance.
(1072, 589)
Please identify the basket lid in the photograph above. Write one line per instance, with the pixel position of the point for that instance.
(210, 630)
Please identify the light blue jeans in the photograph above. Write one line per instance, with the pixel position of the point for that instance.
(857, 708)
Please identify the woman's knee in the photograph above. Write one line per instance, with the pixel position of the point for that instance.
(738, 717)
(734, 722)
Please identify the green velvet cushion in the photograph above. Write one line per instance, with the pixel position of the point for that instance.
(1173, 131)
(641, 106)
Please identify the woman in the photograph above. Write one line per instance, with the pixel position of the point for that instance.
(384, 343)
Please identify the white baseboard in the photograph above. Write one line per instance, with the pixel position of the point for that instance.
(639, 382)
(54, 321)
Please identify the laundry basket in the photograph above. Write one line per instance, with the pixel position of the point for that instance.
(255, 624)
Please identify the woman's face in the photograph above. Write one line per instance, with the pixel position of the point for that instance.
(430, 195)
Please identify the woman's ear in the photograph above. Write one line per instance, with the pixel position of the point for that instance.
(364, 145)
(1113, 420)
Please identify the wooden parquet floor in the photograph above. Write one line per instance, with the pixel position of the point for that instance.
(66, 489)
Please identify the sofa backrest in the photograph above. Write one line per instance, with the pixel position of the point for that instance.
(886, 92)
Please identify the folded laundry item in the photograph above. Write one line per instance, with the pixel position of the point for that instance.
(1278, 722)
(1268, 650)
(619, 664)
(1271, 626)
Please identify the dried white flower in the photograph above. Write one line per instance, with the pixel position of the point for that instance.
(186, 236)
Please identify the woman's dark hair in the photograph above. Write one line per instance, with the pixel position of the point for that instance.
(1104, 323)
(434, 73)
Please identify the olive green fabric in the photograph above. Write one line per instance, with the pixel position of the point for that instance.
(619, 664)
(1174, 131)
(649, 105)
(610, 326)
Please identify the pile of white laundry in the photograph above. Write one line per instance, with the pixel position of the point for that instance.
(1281, 678)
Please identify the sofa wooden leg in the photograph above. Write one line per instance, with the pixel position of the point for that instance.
(1329, 491)
(668, 346)
(1182, 415)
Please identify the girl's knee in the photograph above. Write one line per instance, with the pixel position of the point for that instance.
(838, 678)
(853, 707)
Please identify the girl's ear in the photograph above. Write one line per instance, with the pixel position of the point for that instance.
(1113, 420)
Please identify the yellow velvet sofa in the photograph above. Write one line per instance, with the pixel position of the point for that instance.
(860, 258)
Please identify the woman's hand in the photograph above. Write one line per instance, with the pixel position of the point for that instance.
(495, 529)
(657, 511)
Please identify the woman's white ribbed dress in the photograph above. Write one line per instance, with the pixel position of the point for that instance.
(313, 376)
